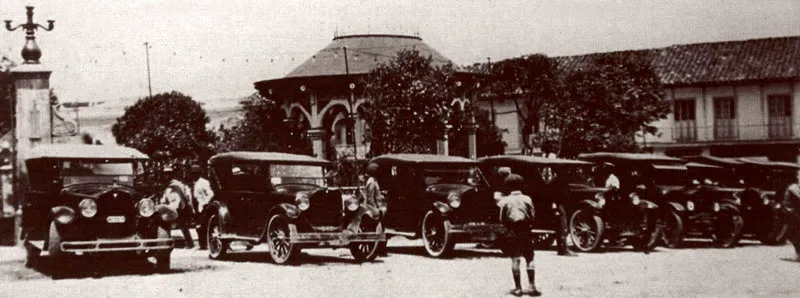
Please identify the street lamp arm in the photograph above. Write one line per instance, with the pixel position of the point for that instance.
(49, 27)
(9, 28)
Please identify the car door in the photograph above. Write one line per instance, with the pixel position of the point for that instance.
(404, 200)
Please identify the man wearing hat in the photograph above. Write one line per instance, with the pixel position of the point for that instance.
(178, 196)
(202, 195)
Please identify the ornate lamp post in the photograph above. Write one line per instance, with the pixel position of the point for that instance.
(30, 52)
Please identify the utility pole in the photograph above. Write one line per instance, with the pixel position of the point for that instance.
(147, 54)
(352, 121)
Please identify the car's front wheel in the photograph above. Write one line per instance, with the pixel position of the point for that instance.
(366, 251)
(436, 235)
(586, 230)
(281, 249)
(32, 254)
(163, 259)
(217, 248)
(727, 229)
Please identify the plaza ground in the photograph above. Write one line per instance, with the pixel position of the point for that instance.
(699, 270)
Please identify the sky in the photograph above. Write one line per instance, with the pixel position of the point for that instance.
(217, 49)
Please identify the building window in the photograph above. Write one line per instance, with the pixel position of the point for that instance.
(780, 116)
(725, 126)
(685, 128)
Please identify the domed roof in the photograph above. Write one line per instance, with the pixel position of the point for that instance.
(364, 53)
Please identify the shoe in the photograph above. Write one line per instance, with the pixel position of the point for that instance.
(534, 293)
(516, 292)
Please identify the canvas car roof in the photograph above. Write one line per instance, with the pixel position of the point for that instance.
(707, 159)
(774, 164)
(81, 151)
(617, 156)
(274, 157)
(422, 159)
(699, 165)
(531, 160)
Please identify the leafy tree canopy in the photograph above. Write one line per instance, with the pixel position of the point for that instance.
(410, 104)
(604, 105)
(169, 123)
(264, 127)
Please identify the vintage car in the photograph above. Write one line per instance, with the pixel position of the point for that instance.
(83, 200)
(564, 193)
(687, 209)
(757, 183)
(283, 199)
(441, 199)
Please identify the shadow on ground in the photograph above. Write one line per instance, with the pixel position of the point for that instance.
(467, 252)
(308, 257)
(99, 267)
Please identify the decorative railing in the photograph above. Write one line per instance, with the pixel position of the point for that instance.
(725, 129)
(684, 131)
(780, 127)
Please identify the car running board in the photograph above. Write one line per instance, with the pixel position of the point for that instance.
(393, 232)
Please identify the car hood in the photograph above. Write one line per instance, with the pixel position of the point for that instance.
(445, 189)
(96, 190)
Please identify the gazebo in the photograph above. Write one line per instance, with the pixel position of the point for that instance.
(325, 91)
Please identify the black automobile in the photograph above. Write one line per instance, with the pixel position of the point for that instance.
(565, 195)
(686, 208)
(757, 182)
(283, 199)
(441, 199)
(83, 200)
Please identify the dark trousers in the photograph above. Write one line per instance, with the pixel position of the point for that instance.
(561, 235)
(794, 237)
(183, 224)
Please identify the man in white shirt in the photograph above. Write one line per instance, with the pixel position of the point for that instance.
(202, 194)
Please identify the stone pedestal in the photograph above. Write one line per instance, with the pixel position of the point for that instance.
(472, 131)
(317, 136)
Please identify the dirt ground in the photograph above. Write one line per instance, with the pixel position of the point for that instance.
(750, 270)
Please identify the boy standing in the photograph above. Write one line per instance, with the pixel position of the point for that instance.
(517, 213)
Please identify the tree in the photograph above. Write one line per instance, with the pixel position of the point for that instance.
(532, 83)
(6, 100)
(171, 124)
(489, 138)
(604, 105)
(410, 108)
(264, 127)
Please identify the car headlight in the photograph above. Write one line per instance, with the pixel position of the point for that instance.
(690, 205)
(716, 207)
(454, 200)
(88, 208)
(635, 198)
(146, 207)
(601, 200)
(352, 204)
(302, 202)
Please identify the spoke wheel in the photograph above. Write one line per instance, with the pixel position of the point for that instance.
(366, 251)
(586, 230)
(217, 249)
(436, 235)
(647, 238)
(727, 229)
(672, 230)
(281, 249)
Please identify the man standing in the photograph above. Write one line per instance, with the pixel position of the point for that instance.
(517, 214)
(177, 196)
(372, 190)
(202, 193)
(791, 206)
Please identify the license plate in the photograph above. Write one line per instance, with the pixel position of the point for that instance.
(115, 219)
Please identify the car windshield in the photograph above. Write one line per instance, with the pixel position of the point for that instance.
(671, 177)
(80, 172)
(720, 177)
(578, 175)
(470, 176)
(297, 174)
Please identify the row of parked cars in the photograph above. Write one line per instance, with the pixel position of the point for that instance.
(87, 199)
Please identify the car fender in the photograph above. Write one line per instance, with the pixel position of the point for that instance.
(442, 208)
(729, 207)
(591, 204)
(674, 206)
(649, 205)
(370, 211)
(286, 209)
(219, 209)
